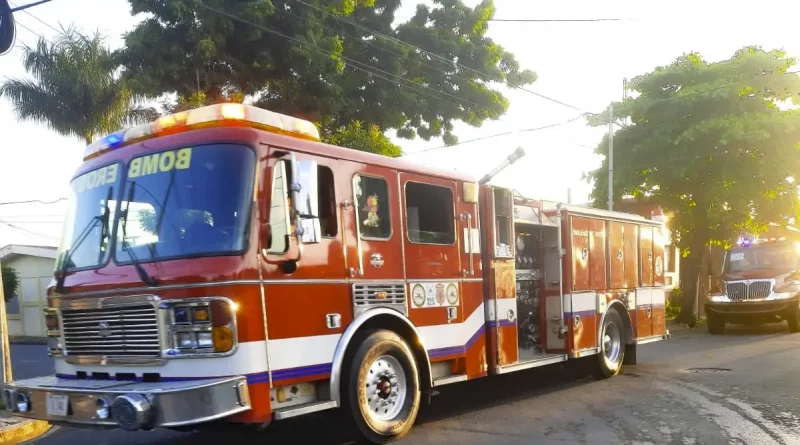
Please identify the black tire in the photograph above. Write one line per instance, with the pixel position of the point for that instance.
(793, 317)
(373, 382)
(612, 346)
(716, 323)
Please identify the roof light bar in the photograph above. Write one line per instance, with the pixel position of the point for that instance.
(220, 115)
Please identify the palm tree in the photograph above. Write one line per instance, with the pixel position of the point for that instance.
(76, 88)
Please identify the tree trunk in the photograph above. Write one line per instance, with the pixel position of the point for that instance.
(694, 282)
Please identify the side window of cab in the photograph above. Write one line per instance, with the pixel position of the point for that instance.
(372, 207)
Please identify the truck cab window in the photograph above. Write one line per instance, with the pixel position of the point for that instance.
(372, 201)
(327, 203)
(502, 223)
(429, 212)
(279, 223)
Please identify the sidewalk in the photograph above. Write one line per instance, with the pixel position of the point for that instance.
(14, 430)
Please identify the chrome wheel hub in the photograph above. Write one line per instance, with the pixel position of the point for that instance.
(386, 388)
(612, 342)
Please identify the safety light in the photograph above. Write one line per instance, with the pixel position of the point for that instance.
(202, 325)
(233, 111)
(220, 115)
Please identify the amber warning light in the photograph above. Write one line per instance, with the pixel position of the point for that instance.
(220, 115)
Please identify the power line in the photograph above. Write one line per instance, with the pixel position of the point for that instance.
(41, 235)
(525, 130)
(354, 62)
(31, 31)
(553, 20)
(32, 201)
(429, 53)
(25, 11)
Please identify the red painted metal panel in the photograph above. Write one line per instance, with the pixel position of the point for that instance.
(646, 256)
(658, 255)
(597, 254)
(631, 258)
(585, 334)
(505, 288)
(579, 235)
(616, 254)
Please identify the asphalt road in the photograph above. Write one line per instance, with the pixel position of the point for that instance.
(745, 390)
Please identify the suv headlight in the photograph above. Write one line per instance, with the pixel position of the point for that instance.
(720, 298)
(200, 326)
(781, 295)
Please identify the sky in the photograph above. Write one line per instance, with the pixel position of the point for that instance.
(581, 64)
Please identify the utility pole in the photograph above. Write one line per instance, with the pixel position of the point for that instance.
(5, 349)
(611, 157)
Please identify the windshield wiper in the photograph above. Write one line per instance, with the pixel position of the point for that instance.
(147, 279)
(104, 219)
(160, 219)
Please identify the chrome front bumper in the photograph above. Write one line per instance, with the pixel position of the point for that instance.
(163, 404)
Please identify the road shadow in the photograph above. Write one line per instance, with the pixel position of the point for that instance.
(756, 329)
(335, 427)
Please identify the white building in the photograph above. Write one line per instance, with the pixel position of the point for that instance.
(34, 265)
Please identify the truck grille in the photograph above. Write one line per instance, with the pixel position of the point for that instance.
(121, 331)
(754, 290)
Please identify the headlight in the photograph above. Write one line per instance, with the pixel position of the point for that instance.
(782, 295)
(200, 326)
(53, 326)
(720, 298)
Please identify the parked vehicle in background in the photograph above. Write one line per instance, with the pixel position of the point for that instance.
(222, 263)
(759, 284)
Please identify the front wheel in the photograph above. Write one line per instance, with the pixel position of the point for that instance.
(384, 390)
(793, 317)
(612, 347)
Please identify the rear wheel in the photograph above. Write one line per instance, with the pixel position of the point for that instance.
(612, 346)
(793, 317)
(716, 323)
(384, 390)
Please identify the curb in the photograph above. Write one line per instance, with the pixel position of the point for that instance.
(23, 431)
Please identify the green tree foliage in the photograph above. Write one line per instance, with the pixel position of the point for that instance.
(712, 142)
(75, 89)
(10, 282)
(364, 138)
(335, 72)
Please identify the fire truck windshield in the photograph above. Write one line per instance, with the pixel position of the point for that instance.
(185, 202)
(86, 235)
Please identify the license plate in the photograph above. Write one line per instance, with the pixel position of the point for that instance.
(57, 405)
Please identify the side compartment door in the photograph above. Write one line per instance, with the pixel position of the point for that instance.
(616, 255)
(631, 274)
(659, 310)
(644, 294)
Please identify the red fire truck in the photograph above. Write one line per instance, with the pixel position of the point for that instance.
(222, 264)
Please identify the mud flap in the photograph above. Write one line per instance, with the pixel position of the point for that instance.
(630, 355)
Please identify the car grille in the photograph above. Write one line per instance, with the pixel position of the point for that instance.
(120, 331)
(754, 290)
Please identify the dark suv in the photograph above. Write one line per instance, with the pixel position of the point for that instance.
(760, 283)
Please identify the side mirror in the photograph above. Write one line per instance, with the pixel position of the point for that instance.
(305, 200)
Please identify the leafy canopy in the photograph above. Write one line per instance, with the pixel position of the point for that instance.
(10, 282)
(75, 89)
(336, 72)
(712, 142)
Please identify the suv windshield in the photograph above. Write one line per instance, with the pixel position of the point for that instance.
(85, 239)
(186, 202)
(772, 256)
